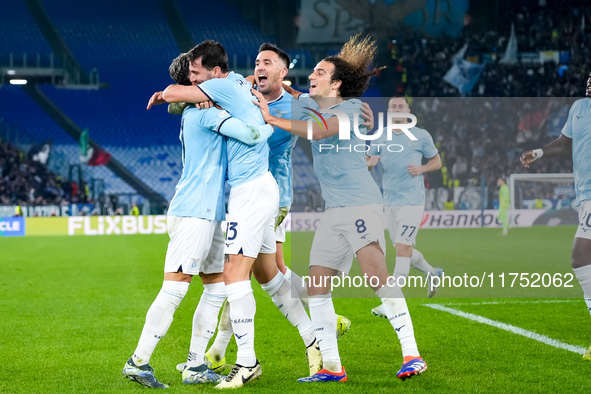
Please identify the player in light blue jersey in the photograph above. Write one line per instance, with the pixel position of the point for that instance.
(352, 223)
(576, 134)
(271, 67)
(196, 239)
(404, 191)
(252, 207)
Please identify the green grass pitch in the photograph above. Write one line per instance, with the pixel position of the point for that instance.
(72, 309)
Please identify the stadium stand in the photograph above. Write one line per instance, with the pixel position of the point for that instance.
(20, 36)
(132, 50)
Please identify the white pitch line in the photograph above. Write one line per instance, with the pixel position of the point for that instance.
(511, 302)
(507, 327)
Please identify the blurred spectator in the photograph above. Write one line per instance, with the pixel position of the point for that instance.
(27, 182)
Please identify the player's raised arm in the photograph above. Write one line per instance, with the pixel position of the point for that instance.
(296, 127)
(179, 93)
(558, 147)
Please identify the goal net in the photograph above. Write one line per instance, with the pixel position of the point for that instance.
(552, 195)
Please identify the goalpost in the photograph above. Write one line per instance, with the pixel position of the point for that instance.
(554, 193)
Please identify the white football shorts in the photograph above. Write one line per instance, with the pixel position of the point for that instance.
(196, 245)
(403, 223)
(343, 231)
(584, 230)
(252, 208)
(280, 232)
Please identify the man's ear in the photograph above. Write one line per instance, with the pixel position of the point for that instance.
(337, 85)
(283, 72)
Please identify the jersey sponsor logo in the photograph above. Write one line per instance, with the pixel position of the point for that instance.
(279, 113)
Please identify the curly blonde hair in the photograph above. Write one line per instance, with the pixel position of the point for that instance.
(359, 52)
(353, 65)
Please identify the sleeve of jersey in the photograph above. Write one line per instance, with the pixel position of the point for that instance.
(219, 90)
(222, 122)
(429, 149)
(567, 130)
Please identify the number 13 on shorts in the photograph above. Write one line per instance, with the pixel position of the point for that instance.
(231, 231)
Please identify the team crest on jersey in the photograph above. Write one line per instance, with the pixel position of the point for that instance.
(223, 114)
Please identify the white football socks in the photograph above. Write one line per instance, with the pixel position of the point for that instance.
(280, 291)
(204, 321)
(159, 318)
(298, 286)
(324, 320)
(224, 335)
(417, 261)
(402, 267)
(242, 311)
(397, 311)
(583, 274)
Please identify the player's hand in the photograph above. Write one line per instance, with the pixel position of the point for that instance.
(281, 215)
(367, 115)
(205, 104)
(262, 104)
(156, 99)
(527, 158)
(415, 170)
(372, 161)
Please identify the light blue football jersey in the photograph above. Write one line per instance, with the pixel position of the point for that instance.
(342, 169)
(200, 191)
(578, 127)
(245, 162)
(281, 144)
(401, 188)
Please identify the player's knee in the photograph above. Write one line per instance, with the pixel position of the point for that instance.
(403, 250)
(581, 253)
(579, 260)
(177, 277)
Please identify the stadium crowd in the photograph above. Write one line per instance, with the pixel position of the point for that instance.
(486, 133)
(24, 181)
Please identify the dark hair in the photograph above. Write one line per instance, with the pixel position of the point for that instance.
(212, 55)
(353, 81)
(280, 52)
(179, 70)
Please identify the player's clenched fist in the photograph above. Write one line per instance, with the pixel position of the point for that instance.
(530, 156)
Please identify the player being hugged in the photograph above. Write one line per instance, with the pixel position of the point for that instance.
(352, 223)
(576, 134)
(252, 208)
(196, 240)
